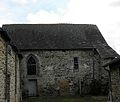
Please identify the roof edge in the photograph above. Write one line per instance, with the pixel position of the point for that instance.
(49, 24)
(115, 60)
(89, 48)
(4, 35)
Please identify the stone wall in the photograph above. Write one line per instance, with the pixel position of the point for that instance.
(2, 68)
(18, 89)
(105, 77)
(115, 82)
(56, 73)
(13, 69)
(9, 73)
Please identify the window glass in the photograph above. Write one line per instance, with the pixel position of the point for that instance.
(31, 66)
(76, 63)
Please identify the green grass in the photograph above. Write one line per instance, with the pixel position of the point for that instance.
(68, 99)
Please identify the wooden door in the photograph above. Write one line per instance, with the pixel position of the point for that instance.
(32, 88)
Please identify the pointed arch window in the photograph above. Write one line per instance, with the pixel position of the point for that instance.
(31, 66)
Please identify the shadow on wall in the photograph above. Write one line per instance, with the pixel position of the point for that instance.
(67, 89)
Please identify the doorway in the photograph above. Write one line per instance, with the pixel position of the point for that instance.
(32, 87)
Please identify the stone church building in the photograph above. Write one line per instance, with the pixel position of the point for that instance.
(57, 59)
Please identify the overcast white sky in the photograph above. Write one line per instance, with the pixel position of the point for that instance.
(104, 13)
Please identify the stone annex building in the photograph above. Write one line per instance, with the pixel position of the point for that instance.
(113, 68)
(51, 60)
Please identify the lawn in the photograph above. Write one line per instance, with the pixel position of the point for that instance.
(69, 99)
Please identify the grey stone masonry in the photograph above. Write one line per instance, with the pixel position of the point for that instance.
(113, 67)
(115, 81)
(55, 71)
(2, 69)
(9, 73)
(13, 69)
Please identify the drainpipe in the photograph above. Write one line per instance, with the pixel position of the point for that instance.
(6, 70)
(110, 83)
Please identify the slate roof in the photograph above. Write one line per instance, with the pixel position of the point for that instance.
(58, 37)
(4, 35)
(115, 61)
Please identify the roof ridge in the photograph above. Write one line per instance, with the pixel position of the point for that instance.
(51, 24)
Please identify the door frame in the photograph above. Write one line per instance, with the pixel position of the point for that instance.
(35, 80)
